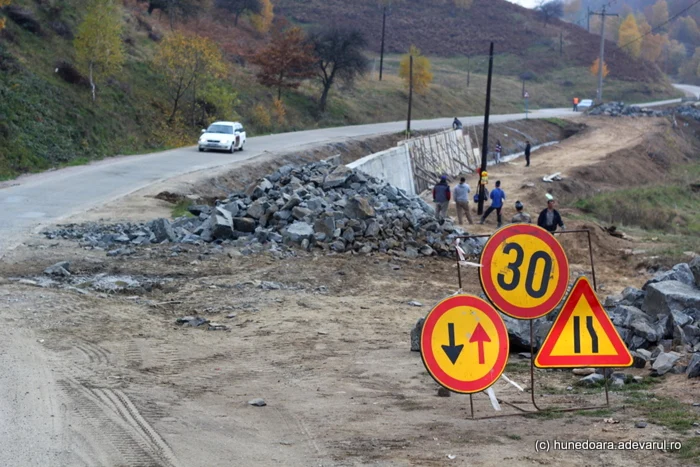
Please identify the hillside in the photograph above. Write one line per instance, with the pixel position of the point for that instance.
(47, 117)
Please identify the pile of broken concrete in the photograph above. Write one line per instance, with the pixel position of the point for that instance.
(619, 109)
(316, 205)
(660, 323)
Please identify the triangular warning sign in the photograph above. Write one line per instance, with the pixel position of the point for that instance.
(583, 335)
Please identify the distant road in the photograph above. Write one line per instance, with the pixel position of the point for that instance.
(45, 198)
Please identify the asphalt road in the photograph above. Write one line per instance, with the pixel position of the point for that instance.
(33, 201)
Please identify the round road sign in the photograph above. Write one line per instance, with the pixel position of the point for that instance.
(524, 271)
(464, 344)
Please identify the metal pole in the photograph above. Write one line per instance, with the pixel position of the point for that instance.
(471, 405)
(590, 252)
(532, 366)
(410, 98)
(485, 141)
(588, 18)
(601, 59)
(381, 57)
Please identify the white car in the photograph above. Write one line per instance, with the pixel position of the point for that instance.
(585, 104)
(222, 136)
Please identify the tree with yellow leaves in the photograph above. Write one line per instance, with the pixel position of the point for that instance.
(628, 37)
(595, 68)
(3, 3)
(186, 63)
(422, 76)
(98, 44)
(263, 22)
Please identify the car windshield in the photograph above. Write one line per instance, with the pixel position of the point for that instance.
(225, 129)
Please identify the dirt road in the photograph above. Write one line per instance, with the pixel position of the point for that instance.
(104, 376)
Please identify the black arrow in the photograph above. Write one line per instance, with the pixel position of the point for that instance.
(452, 351)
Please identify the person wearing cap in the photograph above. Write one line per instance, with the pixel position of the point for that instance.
(441, 197)
(550, 218)
(521, 217)
(497, 197)
(462, 200)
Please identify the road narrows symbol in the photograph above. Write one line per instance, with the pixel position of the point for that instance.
(591, 331)
(452, 351)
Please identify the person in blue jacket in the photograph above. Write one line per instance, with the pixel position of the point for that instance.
(497, 196)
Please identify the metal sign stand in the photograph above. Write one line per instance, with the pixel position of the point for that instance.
(532, 350)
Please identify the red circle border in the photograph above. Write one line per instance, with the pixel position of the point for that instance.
(431, 364)
(490, 289)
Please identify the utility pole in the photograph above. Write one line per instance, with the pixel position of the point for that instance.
(588, 19)
(485, 140)
(410, 98)
(561, 42)
(381, 57)
(469, 71)
(601, 58)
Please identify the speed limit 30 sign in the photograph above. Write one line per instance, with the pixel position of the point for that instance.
(524, 271)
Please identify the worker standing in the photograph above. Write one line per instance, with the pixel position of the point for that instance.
(441, 197)
(575, 104)
(527, 153)
(499, 150)
(550, 218)
(462, 200)
(497, 197)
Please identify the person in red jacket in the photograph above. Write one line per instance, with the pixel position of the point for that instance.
(441, 197)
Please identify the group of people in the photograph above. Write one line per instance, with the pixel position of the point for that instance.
(549, 219)
(498, 150)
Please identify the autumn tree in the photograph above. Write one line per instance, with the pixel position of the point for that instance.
(339, 57)
(628, 37)
(286, 61)
(595, 68)
(422, 76)
(572, 9)
(3, 3)
(550, 9)
(690, 70)
(659, 15)
(686, 30)
(262, 22)
(674, 54)
(98, 44)
(177, 9)
(187, 63)
(239, 7)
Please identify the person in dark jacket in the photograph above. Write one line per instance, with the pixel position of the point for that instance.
(527, 154)
(441, 197)
(497, 197)
(456, 125)
(550, 218)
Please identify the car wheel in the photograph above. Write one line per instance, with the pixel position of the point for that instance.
(201, 149)
(233, 148)
(241, 148)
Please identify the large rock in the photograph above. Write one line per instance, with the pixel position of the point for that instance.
(623, 315)
(244, 224)
(338, 177)
(197, 209)
(642, 328)
(359, 208)
(298, 232)
(258, 208)
(695, 269)
(59, 269)
(663, 297)
(415, 335)
(258, 189)
(680, 272)
(664, 362)
(162, 229)
(221, 224)
(693, 369)
(326, 225)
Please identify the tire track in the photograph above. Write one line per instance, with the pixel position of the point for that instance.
(116, 421)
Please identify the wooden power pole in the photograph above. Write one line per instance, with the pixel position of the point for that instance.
(601, 58)
(410, 98)
(381, 56)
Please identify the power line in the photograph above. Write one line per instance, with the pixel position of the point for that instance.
(660, 25)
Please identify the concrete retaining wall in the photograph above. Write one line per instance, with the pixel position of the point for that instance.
(393, 166)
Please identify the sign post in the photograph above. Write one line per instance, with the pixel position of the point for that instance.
(526, 96)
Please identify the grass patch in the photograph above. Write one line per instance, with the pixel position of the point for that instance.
(691, 450)
(180, 209)
(664, 411)
(557, 121)
(514, 437)
(77, 161)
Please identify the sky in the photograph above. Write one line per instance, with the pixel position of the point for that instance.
(525, 3)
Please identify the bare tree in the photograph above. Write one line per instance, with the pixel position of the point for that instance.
(550, 9)
(340, 57)
(238, 7)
